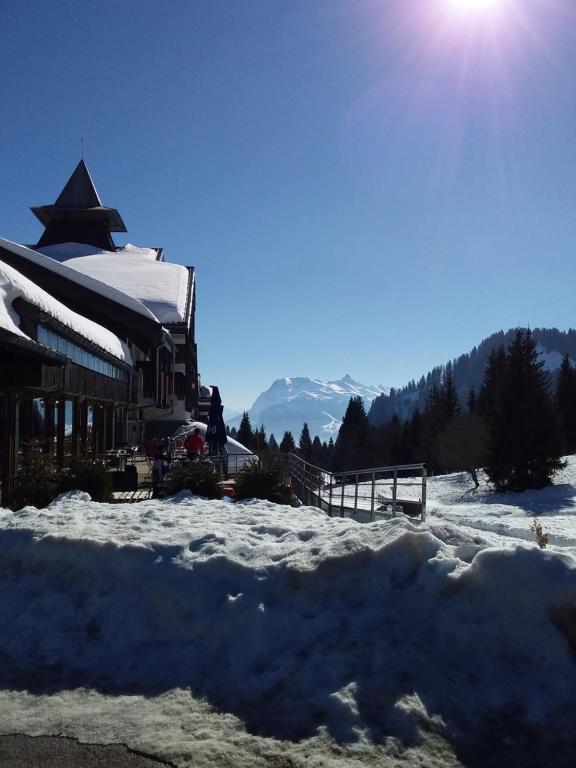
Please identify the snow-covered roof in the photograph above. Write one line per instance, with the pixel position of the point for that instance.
(13, 285)
(75, 276)
(161, 287)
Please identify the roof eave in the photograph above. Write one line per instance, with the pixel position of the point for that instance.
(30, 346)
(47, 214)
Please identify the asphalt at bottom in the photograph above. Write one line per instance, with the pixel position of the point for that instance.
(21, 751)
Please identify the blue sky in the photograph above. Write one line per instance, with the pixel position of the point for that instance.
(364, 186)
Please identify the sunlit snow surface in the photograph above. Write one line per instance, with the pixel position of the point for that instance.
(214, 633)
(160, 286)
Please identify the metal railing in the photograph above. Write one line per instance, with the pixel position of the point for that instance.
(228, 465)
(365, 495)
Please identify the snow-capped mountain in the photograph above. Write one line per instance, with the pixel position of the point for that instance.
(288, 403)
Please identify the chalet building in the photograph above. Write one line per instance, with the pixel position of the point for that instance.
(66, 383)
(131, 291)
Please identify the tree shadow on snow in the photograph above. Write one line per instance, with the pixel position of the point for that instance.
(545, 501)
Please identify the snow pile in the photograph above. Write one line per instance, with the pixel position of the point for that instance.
(160, 286)
(292, 621)
(13, 285)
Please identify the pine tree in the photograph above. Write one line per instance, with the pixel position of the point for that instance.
(472, 401)
(566, 403)
(260, 441)
(317, 452)
(489, 399)
(433, 424)
(245, 434)
(287, 444)
(492, 408)
(462, 445)
(305, 444)
(448, 394)
(272, 444)
(394, 430)
(523, 435)
(354, 445)
(329, 454)
(415, 436)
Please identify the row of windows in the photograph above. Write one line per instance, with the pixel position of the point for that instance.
(79, 355)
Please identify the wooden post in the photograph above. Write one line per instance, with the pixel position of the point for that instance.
(61, 431)
(49, 427)
(9, 446)
(373, 499)
(112, 439)
(394, 492)
(342, 477)
(25, 428)
(423, 507)
(109, 423)
(98, 429)
(330, 496)
(356, 498)
(78, 426)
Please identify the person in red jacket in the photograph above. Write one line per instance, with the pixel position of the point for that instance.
(194, 444)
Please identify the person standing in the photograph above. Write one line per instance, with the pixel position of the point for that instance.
(194, 444)
(216, 436)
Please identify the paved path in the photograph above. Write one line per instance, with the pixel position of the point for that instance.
(20, 751)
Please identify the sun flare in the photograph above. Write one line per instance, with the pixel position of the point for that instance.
(465, 6)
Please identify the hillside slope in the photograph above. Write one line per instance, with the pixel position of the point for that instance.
(468, 370)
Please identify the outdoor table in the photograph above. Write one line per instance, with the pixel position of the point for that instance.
(117, 458)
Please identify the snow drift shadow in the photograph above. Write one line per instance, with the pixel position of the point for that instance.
(383, 639)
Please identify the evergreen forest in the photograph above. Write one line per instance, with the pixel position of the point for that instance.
(515, 420)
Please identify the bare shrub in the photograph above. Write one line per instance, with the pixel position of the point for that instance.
(541, 537)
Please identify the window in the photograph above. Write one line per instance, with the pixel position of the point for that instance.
(79, 355)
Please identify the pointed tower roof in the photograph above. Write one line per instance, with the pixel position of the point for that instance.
(78, 214)
(79, 191)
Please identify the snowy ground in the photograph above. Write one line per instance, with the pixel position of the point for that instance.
(215, 634)
(502, 516)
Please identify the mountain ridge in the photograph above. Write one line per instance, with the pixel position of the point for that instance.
(468, 372)
(290, 401)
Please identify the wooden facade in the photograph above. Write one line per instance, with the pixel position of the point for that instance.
(49, 402)
(49, 399)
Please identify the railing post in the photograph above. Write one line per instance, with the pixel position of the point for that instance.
(342, 478)
(330, 496)
(394, 492)
(423, 508)
(356, 498)
(373, 499)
